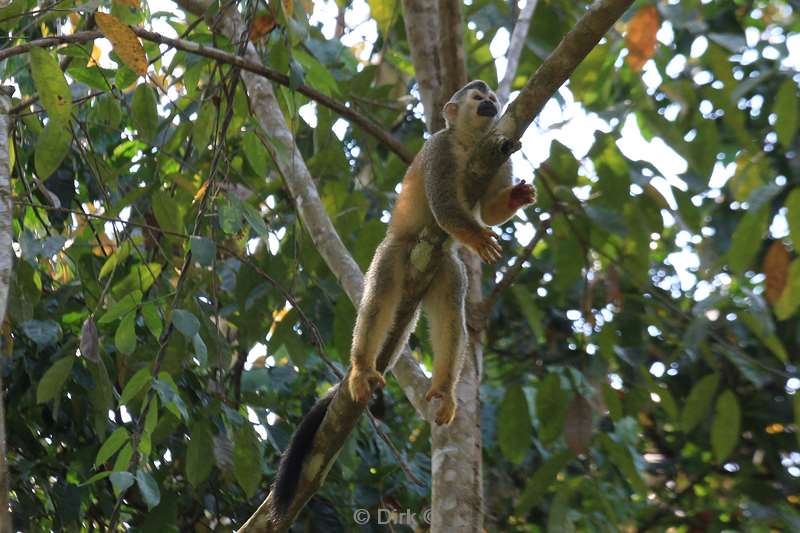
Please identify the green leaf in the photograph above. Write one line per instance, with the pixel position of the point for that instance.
(247, 459)
(107, 112)
(52, 147)
(135, 385)
(514, 425)
(793, 216)
(96, 477)
(698, 402)
(384, 12)
(152, 319)
(747, 238)
(318, 75)
(203, 126)
(622, 459)
(203, 250)
(788, 303)
(144, 114)
(255, 153)
(200, 349)
(230, 217)
(168, 393)
(51, 86)
(558, 520)
(786, 109)
(200, 448)
(121, 481)
(53, 380)
(123, 307)
(537, 485)
(113, 443)
(125, 336)
(115, 259)
(167, 215)
(42, 332)
(725, 429)
(525, 300)
(123, 458)
(148, 487)
(612, 401)
(185, 322)
(551, 408)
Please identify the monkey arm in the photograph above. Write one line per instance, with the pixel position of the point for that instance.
(446, 198)
(502, 206)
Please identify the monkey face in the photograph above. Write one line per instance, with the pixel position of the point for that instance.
(473, 106)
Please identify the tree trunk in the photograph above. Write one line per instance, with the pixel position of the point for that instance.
(5, 277)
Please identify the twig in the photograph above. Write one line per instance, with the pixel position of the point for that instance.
(514, 52)
(513, 271)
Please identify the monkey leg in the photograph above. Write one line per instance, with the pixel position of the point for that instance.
(382, 290)
(444, 307)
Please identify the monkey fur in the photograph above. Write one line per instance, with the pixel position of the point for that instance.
(433, 190)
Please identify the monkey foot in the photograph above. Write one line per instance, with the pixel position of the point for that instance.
(361, 383)
(447, 405)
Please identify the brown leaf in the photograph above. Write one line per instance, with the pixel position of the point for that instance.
(776, 268)
(90, 344)
(613, 291)
(262, 25)
(641, 36)
(578, 428)
(124, 42)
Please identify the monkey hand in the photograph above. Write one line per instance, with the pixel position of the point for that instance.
(447, 404)
(522, 194)
(361, 382)
(484, 243)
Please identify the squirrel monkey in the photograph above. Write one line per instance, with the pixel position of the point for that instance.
(433, 190)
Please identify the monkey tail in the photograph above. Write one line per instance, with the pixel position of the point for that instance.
(291, 465)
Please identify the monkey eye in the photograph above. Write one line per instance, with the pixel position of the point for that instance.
(477, 97)
(492, 98)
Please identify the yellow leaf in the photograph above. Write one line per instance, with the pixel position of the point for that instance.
(124, 41)
(641, 36)
(74, 18)
(130, 3)
(95, 58)
(262, 25)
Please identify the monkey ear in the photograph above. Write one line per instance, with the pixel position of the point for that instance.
(450, 112)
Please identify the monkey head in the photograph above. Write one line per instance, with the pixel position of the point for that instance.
(474, 106)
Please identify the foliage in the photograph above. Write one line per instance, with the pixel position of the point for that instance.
(155, 365)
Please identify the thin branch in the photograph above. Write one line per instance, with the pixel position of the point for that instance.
(514, 52)
(360, 120)
(422, 30)
(512, 272)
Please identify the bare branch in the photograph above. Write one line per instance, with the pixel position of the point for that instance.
(249, 65)
(514, 52)
(422, 30)
(452, 62)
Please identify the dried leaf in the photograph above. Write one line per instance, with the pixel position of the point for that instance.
(641, 37)
(95, 57)
(124, 42)
(262, 25)
(578, 425)
(90, 344)
(776, 268)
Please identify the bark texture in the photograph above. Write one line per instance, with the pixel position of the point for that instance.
(5, 279)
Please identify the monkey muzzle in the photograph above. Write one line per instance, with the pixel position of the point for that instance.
(487, 109)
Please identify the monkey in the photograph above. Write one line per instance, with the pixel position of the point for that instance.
(433, 191)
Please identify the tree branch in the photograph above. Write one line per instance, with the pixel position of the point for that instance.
(452, 61)
(514, 52)
(422, 30)
(248, 65)
(6, 262)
